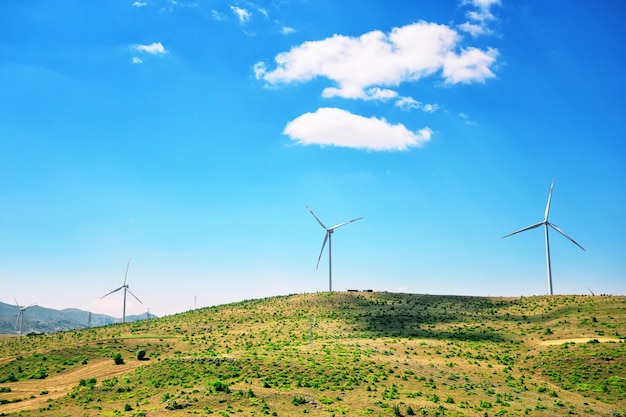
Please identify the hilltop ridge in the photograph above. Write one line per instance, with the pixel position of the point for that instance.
(336, 353)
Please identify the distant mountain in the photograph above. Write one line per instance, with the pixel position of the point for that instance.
(47, 320)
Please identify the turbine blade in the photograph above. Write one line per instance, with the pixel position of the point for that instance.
(316, 218)
(323, 244)
(134, 295)
(344, 223)
(126, 273)
(112, 292)
(563, 233)
(524, 229)
(16, 303)
(548, 205)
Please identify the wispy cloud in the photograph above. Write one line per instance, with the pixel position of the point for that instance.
(137, 60)
(375, 59)
(409, 103)
(479, 19)
(337, 127)
(155, 48)
(285, 30)
(140, 4)
(242, 14)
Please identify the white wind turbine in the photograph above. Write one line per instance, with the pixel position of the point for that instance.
(329, 232)
(546, 223)
(125, 287)
(20, 315)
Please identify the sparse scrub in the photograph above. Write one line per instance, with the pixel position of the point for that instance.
(388, 353)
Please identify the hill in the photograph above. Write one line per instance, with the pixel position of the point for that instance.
(39, 319)
(331, 354)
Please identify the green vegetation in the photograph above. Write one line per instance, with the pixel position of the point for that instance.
(378, 354)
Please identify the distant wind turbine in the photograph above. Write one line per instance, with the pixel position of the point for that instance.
(546, 223)
(329, 232)
(125, 287)
(20, 315)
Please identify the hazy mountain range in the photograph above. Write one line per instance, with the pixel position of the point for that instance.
(47, 320)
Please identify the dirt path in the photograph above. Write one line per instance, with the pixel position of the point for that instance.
(59, 385)
(578, 340)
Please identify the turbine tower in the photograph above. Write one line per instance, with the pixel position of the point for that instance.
(329, 232)
(20, 315)
(125, 287)
(546, 223)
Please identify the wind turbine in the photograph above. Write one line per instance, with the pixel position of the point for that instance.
(329, 232)
(125, 287)
(20, 314)
(546, 223)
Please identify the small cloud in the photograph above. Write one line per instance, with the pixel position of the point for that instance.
(140, 4)
(137, 60)
(430, 108)
(285, 30)
(468, 120)
(409, 103)
(242, 14)
(337, 127)
(154, 48)
(381, 94)
(478, 19)
(215, 15)
(259, 70)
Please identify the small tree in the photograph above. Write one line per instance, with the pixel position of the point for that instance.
(117, 358)
(141, 355)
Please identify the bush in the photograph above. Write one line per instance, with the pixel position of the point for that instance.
(298, 400)
(117, 358)
(141, 355)
(219, 386)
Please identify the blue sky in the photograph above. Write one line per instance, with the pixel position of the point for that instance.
(191, 135)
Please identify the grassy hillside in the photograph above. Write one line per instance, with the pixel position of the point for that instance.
(332, 354)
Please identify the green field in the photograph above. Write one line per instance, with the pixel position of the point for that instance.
(333, 354)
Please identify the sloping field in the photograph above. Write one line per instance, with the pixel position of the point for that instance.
(334, 354)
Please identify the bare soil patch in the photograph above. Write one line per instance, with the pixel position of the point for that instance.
(59, 385)
(578, 340)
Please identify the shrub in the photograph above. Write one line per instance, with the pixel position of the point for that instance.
(298, 400)
(219, 386)
(141, 355)
(117, 358)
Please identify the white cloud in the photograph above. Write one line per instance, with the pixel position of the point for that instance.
(478, 19)
(337, 127)
(242, 14)
(285, 30)
(470, 66)
(409, 103)
(154, 48)
(137, 60)
(376, 93)
(375, 59)
(140, 4)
